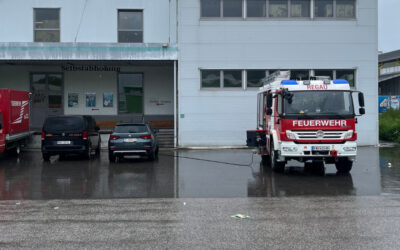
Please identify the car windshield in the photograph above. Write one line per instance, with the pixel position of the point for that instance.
(319, 103)
(59, 124)
(131, 129)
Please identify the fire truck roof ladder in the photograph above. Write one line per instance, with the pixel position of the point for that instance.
(272, 81)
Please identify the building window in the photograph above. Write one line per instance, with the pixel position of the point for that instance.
(323, 72)
(299, 75)
(345, 8)
(348, 75)
(210, 8)
(278, 8)
(232, 78)
(323, 8)
(300, 8)
(254, 78)
(210, 79)
(256, 8)
(232, 8)
(130, 93)
(335, 8)
(130, 26)
(47, 25)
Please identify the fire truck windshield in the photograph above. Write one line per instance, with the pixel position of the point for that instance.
(319, 104)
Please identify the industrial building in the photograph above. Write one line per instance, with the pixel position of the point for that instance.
(193, 66)
(389, 73)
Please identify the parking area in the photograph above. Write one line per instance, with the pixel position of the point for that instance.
(191, 174)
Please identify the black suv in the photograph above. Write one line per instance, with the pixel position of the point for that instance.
(62, 135)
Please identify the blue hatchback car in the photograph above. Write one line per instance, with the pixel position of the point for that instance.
(132, 139)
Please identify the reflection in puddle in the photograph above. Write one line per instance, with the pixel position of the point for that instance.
(295, 183)
(180, 176)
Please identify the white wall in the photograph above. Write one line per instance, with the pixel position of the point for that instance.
(90, 82)
(18, 77)
(99, 20)
(221, 117)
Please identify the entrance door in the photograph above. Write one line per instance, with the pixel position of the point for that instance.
(47, 97)
(130, 93)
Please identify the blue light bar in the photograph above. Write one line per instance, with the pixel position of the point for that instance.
(340, 81)
(289, 82)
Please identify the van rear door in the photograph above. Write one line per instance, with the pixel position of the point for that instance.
(63, 131)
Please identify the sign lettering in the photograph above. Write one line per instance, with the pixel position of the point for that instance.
(317, 87)
(318, 123)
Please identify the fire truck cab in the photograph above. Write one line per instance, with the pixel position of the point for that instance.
(311, 121)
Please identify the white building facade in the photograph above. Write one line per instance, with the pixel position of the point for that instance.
(223, 42)
(194, 63)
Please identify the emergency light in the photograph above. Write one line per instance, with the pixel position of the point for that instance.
(289, 82)
(340, 81)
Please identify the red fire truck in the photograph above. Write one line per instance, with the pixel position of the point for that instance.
(311, 121)
(14, 120)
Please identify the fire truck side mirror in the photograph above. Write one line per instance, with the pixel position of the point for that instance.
(362, 111)
(269, 101)
(361, 100)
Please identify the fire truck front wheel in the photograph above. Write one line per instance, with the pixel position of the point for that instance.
(265, 159)
(344, 165)
(278, 167)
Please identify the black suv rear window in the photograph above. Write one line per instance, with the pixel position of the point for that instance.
(59, 124)
(131, 129)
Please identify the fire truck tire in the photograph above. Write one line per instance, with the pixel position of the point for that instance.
(344, 165)
(318, 167)
(111, 157)
(46, 157)
(15, 151)
(278, 167)
(265, 160)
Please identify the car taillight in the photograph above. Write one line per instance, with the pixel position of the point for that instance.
(43, 135)
(146, 137)
(114, 137)
(85, 135)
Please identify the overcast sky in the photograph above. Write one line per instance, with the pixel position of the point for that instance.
(389, 25)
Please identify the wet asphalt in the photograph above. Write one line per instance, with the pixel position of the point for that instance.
(185, 200)
(228, 173)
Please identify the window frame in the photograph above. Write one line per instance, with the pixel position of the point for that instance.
(132, 30)
(267, 16)
(118, 95)
(223, 79)
(221, 14)
(334, 15)
(245, 86)
(210, 88)
(256, 17)
(247, 77)
(46, 29)
(355, 76)
(300, 17)
(345, 18)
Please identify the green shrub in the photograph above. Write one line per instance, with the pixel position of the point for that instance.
(389, 126)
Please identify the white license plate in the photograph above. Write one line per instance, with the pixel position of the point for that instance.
(63, 142)
(130, 140)
(321, 148)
